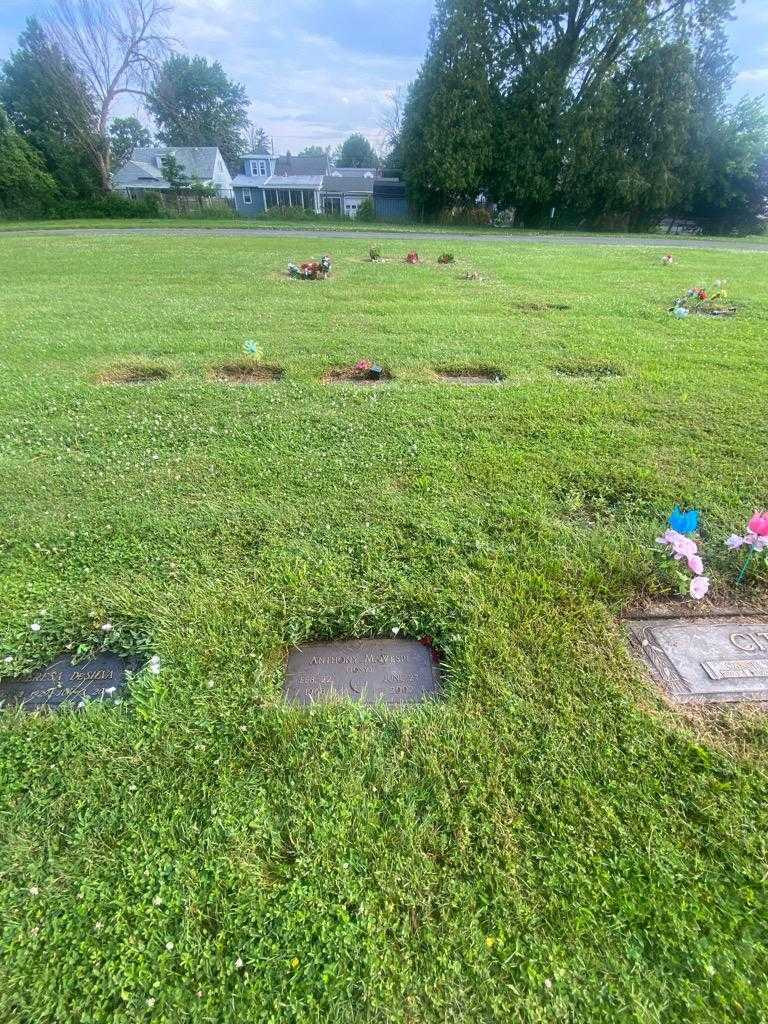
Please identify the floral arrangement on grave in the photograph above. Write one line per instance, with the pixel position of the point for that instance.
(687, 562)
(254, 350)
(756, 539)
(312, 270)
(412, 258)
(446, 257)
(667, 260)
(365, 368)
(699, 300)
(374, 254)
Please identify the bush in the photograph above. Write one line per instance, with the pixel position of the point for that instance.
(366, 211)
(288, 213)
(471, 215)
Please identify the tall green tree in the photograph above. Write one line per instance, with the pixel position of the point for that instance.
(126, 134)
(25, 185)
(316, 151)
(356, 151)
(49, 104)
(195, 104)
(447, 137)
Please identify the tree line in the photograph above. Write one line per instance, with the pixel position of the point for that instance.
(608, 113)
(60, 141)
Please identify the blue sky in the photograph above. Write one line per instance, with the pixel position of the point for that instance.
(317, 70)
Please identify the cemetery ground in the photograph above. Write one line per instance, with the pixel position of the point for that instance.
(548, 841)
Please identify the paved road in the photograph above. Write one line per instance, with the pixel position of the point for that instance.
(547, 238)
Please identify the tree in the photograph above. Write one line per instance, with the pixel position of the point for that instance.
(315, 151)
(356, 152)
(447, 134)
(195, 104)
(257, 139)
(50, 106)
(114, 45)
(126, 134)
(391, 125)
(173, 172)
(25, 185)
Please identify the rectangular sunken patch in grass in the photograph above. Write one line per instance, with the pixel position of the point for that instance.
(470, 375)
(357, 375)
(247, 373)
(138, 373)
(588, 370)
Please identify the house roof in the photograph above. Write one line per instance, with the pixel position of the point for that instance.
(354, 172)
(302, 165)
(310, 181)
(334, 182)
(196, 161)
(392, 188)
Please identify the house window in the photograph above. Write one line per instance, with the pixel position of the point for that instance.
(259, 168)
(247, 197)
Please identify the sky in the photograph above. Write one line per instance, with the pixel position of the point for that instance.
(318, 70)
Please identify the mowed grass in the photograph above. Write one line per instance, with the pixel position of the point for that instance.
(549, 842)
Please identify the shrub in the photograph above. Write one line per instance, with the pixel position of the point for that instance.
(366, 211)
(470, 215)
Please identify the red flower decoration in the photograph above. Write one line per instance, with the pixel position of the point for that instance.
(701, 294)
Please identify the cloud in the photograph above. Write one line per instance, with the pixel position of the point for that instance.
(753, 75)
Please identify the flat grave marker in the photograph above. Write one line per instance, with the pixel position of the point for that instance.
(63, 682)
(387, 672)
(706, 661)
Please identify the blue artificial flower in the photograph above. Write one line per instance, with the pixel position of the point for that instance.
(683, 521)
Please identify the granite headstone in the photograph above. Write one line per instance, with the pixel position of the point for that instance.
(706, 660)
(67, 682)
(367, 671)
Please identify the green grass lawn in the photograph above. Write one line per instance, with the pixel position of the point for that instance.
(328, 224)
(547, 843)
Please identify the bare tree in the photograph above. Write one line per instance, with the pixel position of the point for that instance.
(257, 139)
(391, 120)
(115, 46)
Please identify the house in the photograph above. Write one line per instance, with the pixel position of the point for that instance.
(143, 172)
(345, 188)
(308, 182)
(390, 199)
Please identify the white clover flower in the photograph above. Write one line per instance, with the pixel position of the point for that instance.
(154, 665)
(238, 963)
(151, 1002)
(33, 890)
(156, 901)
(107, 627)
(169, 946)
(8, 659)
(35, 627)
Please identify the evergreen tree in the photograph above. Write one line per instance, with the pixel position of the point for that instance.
(195, 104)
(356, 152)
(50, 106)
(447, 142)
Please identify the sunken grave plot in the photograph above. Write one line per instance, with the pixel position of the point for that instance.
(134, 374)
(245, 372)
(470, 375)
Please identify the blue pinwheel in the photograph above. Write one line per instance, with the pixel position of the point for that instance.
(683, 520)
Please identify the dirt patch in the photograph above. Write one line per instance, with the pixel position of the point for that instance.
(353, 375)
(725, 311)
(588, 371)
(247, 373)
(134, 374)
(539, 307)
(470, 375)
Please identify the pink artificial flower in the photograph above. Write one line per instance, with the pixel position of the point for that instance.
(695, 564)
(759, 524)
(699, 587)
(363, 364)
